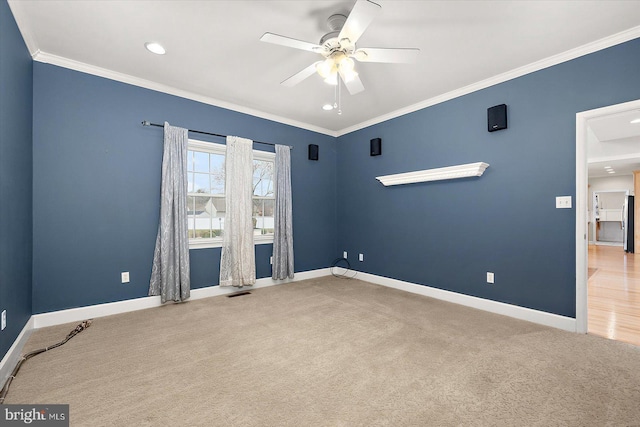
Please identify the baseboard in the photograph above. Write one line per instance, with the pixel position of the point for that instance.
(108, 309)
(11, 358)
(522, 313)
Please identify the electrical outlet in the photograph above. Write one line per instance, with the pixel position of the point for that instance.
(4, 319)
(344, 254)
(125, 277)
(490, 277)
(361, 257)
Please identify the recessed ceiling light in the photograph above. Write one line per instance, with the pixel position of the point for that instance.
(327, 107)
(635, 121)
(608, 167)
(155, 48)
(611, 171)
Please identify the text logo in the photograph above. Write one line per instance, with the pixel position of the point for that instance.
(34, 415)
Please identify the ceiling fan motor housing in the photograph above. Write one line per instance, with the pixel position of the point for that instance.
(330, 42)
(336, 22)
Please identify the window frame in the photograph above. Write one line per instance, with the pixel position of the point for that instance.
(217, 148)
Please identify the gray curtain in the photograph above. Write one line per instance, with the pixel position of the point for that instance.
(283, 232)
(170, 272)
(237, 258)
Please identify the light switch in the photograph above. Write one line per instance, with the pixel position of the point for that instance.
(563, 202)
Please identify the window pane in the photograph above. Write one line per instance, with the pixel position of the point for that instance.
(201, 183)
(206, 216)
(190, 160)
(202, 225)
(269, 207)
(263, 216)
(197, 204)
(199, 217)
(201, 161)
(218, 209)
(217, 173)
(262, 178)
(257, 207)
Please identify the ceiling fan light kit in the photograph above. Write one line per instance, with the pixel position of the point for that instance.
(337, 63)
(338, 47)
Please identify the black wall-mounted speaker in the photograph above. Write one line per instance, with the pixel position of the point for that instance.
(313, 152)
(376, 146)
(497, 117)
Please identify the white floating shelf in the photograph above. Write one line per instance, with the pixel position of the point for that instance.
(450, 172)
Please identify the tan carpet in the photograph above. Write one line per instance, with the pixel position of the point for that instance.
(330, 352)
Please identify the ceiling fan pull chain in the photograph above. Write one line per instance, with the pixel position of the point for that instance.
(339, 98)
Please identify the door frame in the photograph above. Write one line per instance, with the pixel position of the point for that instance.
(582, 195)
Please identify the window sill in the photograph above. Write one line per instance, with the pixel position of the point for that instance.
(204, 244)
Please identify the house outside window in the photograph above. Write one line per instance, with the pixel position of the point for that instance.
(206, 198)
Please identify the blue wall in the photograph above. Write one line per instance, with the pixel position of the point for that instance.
(448, 234)
(96, 187)
(16, 72)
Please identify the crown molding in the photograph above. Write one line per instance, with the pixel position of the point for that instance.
(615, 39)
(71, 64)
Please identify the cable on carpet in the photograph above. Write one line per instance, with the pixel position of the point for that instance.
(344, 264)
(81, 327)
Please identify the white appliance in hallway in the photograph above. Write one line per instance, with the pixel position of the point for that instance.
(608, 209)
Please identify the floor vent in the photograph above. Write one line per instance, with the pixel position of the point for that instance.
(238, 294)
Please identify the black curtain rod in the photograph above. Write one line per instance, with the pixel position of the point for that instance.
(146, 123)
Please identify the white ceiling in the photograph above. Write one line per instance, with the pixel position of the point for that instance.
(616, 127)
(214, 54)
(613, 141)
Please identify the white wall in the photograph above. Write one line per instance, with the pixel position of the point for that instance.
(610, 183)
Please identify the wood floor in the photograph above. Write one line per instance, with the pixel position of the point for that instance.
(614, 294)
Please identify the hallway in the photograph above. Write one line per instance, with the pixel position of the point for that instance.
(614, 294)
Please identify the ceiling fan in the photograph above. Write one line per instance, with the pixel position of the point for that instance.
(338, 47)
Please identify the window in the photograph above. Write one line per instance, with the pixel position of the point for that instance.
(206, 201)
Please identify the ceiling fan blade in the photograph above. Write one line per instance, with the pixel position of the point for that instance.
(289, 42)
(354, 85)
(301, 75)
(359, 19)
(392, 55)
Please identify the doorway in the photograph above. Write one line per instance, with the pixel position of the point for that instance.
(583, 200)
